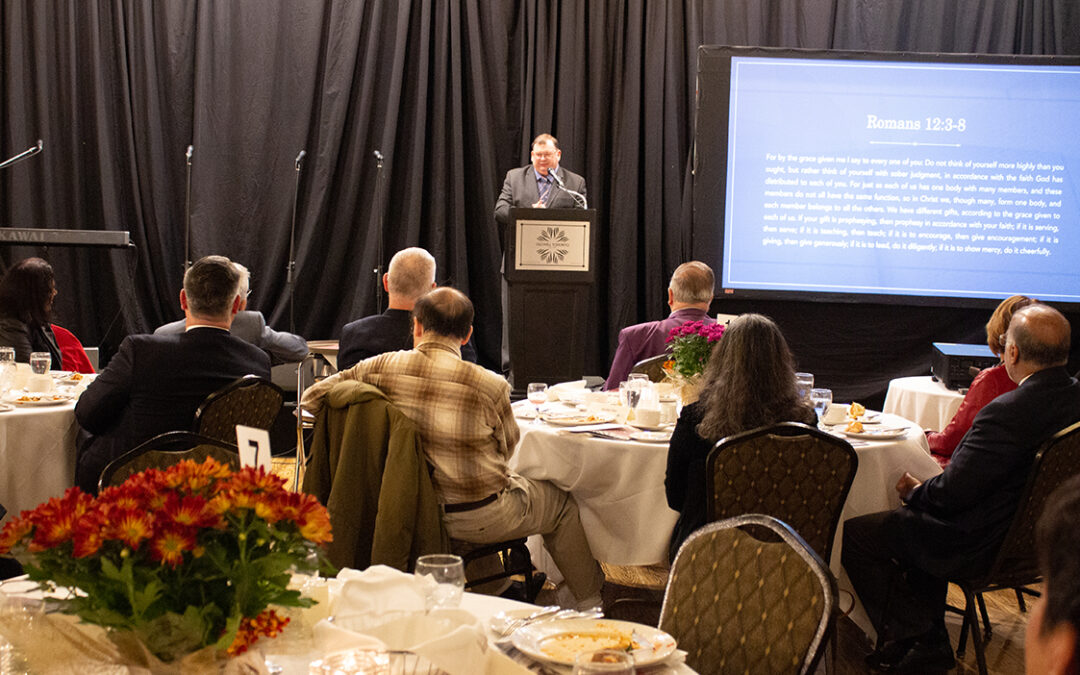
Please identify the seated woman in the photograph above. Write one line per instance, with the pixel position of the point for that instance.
(749, 382)
(987, 385)
(26, 299)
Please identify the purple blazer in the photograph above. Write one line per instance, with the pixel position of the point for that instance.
(644, 340)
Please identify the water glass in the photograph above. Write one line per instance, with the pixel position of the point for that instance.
(448, 572)
(821, 399)
(7, 370)
(804, 382)
(40, 362)
(537, 393)
(606, 661)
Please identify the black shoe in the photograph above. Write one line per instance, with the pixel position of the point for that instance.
(889, 654)
(927, 654)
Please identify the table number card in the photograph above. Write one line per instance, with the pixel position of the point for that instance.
(254, 446)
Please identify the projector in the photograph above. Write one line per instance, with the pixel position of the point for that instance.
(950, 362)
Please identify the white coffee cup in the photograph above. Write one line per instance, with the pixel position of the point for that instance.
(836, 414)
(39, 383)
(647, 417)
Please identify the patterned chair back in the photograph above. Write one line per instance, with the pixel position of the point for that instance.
(790, 471)
(740, 604)
(653, 367)
(1057, 461)
(250, 400)
(164, 450)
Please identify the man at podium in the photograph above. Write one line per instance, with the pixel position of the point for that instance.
(542, 184)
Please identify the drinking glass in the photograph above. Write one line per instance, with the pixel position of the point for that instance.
(606, 661)
(804, 382)
(448, 571)
(7, 369)
(40, 362)
(537, 393)
(821, 399)
(635, 384)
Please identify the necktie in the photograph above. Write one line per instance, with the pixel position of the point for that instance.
(544, 187)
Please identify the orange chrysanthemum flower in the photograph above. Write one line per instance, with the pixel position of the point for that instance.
(131, 527)
(169, 547)
(267, 623)
(13, 533)
(190, 511)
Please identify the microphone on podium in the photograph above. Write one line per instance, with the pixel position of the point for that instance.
(578, 197)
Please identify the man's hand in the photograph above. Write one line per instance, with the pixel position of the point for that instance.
(539, 205)
(906, 485)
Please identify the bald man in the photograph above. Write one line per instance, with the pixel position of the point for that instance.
(952, 525)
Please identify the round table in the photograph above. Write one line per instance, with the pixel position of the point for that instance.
(923, 400)
(37, 451)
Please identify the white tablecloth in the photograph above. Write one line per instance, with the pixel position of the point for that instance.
(37, 455)
(923, 400)
(618, 486)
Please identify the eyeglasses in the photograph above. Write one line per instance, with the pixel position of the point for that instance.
(543, 155)
(248, 294)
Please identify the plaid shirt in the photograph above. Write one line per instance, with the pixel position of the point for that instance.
(462, 412)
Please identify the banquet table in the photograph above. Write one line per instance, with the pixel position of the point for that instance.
(923, 400)
(37, 453)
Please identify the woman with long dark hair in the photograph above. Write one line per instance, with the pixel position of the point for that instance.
(26, 299)
(749, 382)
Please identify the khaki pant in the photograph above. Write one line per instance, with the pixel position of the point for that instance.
(529, 507)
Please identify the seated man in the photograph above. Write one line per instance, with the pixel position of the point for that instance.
(411, 274)
(953, 524)
(689, 295)
(155, 383)
(1052, 643)
(468, 431)
(250, 326)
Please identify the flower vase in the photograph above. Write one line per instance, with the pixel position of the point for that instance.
(688, 389)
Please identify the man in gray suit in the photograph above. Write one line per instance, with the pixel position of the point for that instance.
(250, 326)
(535, 184)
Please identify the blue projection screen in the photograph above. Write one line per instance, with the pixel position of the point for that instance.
(863, 176)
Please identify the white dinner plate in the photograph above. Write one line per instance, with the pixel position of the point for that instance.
(43, 400)
(560, 641)
(652, 436)
(886, 434)
(647, 427)
(579, 420)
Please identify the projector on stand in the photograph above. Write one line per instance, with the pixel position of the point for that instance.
(950, 362)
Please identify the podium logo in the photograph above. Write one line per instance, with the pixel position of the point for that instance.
(552, 245)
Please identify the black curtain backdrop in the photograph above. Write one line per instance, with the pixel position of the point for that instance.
(451, 92)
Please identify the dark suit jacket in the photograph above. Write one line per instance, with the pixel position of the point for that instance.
(519, 189)
(390, 331)
(154, 384)
(955, 522)
(250, 326)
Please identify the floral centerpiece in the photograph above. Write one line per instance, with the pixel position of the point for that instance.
(184, 559)
(689, 346)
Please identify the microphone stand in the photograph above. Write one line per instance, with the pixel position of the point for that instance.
(292, 246)
(187, 211)
(29, 152)
(378, 232)
(578, 197)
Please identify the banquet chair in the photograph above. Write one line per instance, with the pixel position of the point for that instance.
(790, 471)
(1016, 564)
(249, 400)
(164, 450)
(488, 563)
(740, 603)
(653, 367)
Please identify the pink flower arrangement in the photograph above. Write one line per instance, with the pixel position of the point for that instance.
(690, 345)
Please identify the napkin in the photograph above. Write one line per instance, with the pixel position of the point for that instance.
(375, 595)
(384, 607)
(574, 388)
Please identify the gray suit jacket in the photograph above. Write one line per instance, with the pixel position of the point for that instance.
(251, 327)
(519, 189)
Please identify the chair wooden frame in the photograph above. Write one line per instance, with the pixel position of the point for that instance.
(746, 528)
(1016, 565)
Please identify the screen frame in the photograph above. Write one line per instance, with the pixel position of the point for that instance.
(709, 170)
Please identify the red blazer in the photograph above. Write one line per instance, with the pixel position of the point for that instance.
(987, 385)
(72, 355)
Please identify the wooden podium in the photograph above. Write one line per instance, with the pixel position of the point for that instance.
(550, 267)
